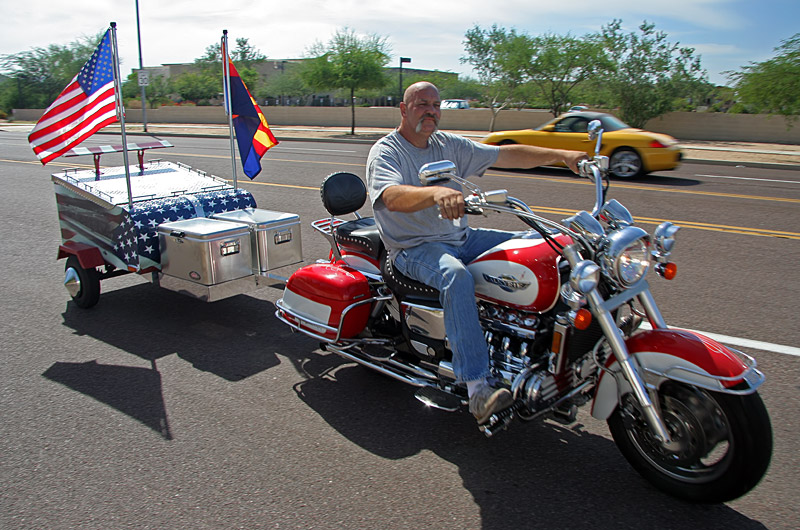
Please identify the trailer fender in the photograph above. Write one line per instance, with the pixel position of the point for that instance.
(88, 256)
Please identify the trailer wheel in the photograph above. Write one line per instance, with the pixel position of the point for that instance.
(83, 285)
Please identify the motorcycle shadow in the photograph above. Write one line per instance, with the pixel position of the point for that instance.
(534, 475)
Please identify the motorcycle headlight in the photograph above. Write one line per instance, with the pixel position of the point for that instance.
(626, 255)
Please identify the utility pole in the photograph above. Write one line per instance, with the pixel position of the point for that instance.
(141, 66)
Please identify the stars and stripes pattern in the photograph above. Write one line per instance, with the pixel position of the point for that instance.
(252, 130)
(137, 235)
(85, 106)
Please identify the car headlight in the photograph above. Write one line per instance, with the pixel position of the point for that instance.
(626, 255)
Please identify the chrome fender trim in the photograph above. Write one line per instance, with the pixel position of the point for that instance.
(677, 355)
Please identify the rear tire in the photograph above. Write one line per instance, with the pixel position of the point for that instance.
(722, 443)
(82, 284)
(626, 163)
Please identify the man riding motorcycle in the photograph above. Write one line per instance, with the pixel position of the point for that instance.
(425, 231)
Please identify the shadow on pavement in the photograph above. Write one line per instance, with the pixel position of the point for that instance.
(134, 391)
(534, 475)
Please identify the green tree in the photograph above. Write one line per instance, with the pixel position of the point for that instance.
(647, 72)
(557, 64)
(497, 56)
(349, 62)
(243, 55)
(198, 86)
(158, 90)
(285, 85)
(37, 76)
(772, 86)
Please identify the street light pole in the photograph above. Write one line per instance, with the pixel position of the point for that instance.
(402, 60)
(141, 66)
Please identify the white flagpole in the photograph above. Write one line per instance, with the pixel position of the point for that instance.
(120, 110)
(226, 71)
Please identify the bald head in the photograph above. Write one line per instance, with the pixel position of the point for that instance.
(415, 89)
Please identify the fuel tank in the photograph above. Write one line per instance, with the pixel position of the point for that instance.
(520, 273)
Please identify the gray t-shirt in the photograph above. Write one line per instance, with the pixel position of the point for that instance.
(393, 160)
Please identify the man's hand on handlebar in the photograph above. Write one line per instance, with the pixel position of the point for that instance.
(449, 201)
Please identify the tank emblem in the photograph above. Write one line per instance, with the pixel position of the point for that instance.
(506, 282)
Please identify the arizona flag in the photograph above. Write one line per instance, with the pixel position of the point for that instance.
(252, 131)
(84, 107)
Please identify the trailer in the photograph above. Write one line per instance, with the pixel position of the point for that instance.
(181, 228)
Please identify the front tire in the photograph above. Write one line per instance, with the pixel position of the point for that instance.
(83, 285)
(626, 163)
(722, 443)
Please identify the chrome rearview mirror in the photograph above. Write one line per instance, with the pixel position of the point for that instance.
(436, 172)
(595, 129)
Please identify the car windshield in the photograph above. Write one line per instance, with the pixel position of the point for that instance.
(612, 123)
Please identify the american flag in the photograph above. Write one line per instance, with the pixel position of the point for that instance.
(84, 107)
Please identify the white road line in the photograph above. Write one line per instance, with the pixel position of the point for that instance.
(744, 343)
(749, 178)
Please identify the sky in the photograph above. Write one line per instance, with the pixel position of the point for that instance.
(727, 34)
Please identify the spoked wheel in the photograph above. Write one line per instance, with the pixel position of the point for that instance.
(83, 285)
(721, 443)
(625, 163)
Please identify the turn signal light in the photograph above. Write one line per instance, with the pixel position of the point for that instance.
(583, 318)
(656, 143)
(667, 270)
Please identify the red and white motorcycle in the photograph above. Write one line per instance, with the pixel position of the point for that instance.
(562, 310)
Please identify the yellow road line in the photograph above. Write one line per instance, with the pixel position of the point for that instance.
(689, 224)
(618, 185)
(546, 209)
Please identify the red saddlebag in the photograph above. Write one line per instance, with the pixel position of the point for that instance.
(329, 300)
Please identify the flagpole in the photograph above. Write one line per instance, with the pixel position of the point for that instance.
(226, 74)
(120, 110)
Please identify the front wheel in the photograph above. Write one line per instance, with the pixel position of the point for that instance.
(721, 443)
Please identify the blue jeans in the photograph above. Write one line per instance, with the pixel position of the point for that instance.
(441, 265)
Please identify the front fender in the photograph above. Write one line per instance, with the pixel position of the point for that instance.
(677, 355)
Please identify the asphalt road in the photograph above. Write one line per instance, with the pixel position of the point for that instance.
(154, 410)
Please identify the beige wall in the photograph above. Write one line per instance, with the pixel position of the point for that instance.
(682, 125)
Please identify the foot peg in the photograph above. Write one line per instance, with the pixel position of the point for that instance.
(438, 399)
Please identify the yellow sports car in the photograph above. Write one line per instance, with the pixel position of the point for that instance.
(632, 152)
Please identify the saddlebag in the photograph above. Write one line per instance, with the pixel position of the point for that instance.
(328, 301)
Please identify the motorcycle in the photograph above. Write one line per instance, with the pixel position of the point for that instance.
(569, 319)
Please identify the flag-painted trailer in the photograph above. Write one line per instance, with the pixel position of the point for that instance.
(184, 229)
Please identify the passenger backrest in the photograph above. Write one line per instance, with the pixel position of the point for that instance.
(343, 193)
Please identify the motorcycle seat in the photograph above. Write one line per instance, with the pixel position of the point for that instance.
(360, 236)
(404, 287)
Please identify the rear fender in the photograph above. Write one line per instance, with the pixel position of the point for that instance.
(677, 355)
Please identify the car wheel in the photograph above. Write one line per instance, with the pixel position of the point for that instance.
(625, 163)
(507, 142)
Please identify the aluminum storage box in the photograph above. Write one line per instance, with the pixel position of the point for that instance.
(205, 251)
(275, 237)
